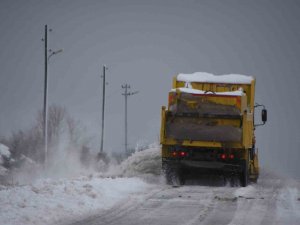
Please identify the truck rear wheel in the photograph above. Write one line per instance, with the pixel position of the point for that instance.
(173, 175)
(244, 176)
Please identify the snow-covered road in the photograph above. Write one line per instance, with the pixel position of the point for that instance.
(271, 201)
(134, 193)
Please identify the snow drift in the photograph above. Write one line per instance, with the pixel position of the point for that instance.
(49, 201)
(53, 201)
(5, 156)
(145, 164)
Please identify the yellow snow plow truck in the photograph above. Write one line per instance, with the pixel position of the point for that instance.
(209, 126)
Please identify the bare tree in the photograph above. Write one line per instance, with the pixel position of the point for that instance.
(56, 117)
(61, 126)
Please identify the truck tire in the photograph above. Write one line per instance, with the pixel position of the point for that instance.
(173, 175)
(244, 176)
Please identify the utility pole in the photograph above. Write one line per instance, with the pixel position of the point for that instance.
(103, 107)
(45, 111)
(45, 105)
(126, 94)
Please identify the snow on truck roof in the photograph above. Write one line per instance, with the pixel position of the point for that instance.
(200, 92)
(204, 77)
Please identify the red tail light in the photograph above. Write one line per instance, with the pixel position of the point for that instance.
(231, 156)
(179, 154)
(223, 156)
(182, 154)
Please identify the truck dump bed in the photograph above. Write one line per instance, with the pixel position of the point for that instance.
(208, 108)
(205, 116)
(209, 125)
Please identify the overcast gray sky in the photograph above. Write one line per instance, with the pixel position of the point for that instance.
(145, 43)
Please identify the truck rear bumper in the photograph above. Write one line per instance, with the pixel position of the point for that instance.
(210, 165)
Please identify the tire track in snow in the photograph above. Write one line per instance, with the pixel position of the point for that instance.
(183, 206)
(271, 201)
(256, 204)
(116, 212)
(224, 208)
(288, 205)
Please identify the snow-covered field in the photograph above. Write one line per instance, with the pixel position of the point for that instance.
(134, 193)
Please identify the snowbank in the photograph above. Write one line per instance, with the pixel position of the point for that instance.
(4, 155)
(139, 164)
(51, 201)
(54, 201)
(211, 78)
(4, 151)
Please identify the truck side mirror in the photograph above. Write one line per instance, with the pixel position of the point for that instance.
(264, 115)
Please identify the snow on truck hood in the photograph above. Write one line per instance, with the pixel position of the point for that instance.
(211, 78)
